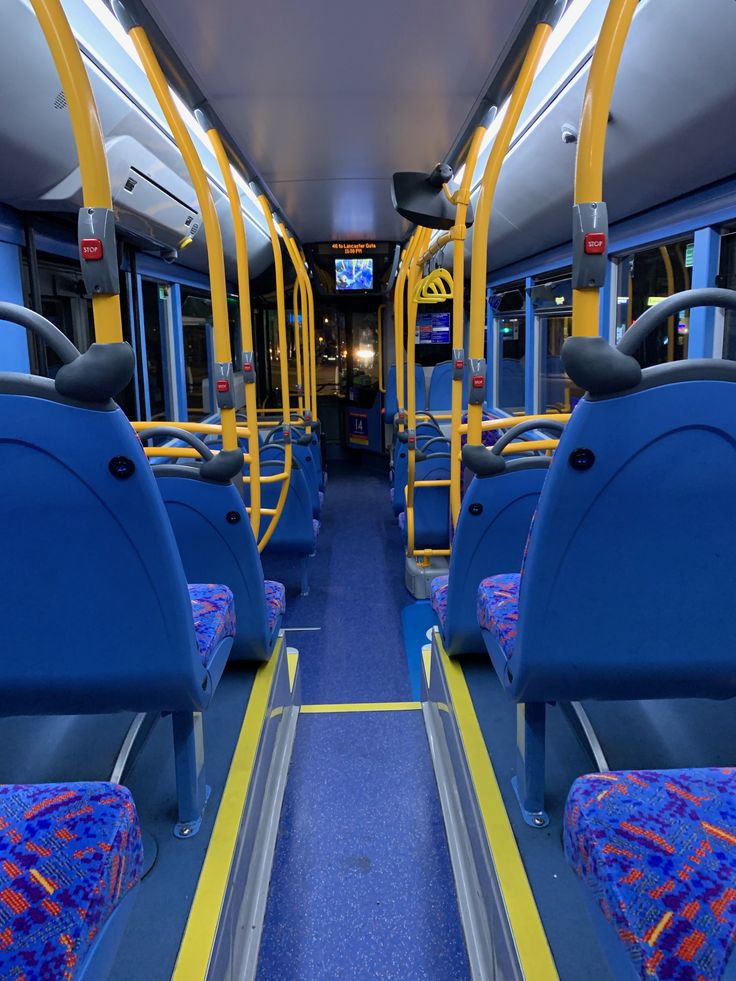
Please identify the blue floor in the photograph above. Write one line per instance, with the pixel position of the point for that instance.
(362, 885)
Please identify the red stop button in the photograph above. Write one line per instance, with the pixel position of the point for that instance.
(478, 381)
(595, 243)
(91, 249)
(223, 385)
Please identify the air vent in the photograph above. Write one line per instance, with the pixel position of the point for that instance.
(193, 229)
(60, 101)
(130, 184)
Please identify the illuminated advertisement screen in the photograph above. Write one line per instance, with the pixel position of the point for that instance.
(433, 328)
(354, 274)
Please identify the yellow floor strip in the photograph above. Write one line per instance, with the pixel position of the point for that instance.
(199, 935)
(531, 941)
(361, 707)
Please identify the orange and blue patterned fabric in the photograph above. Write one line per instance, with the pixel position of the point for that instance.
(439, 590)
(658, 851)
(498, 609)
(69, 853)
(213, 609)
(275, 602)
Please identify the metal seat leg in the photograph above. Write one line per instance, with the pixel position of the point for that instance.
(191, 787)
(530, 762)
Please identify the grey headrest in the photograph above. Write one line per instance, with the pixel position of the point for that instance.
(221, 469)
(597, 367)
(99, 374)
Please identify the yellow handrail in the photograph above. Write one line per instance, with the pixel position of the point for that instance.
(489, 183)
(89, 141)
(592, 140)
(208, 428)
(311, 337)
(399, 294)
(284, 371)
(200, 183)
(462, 196)
(301, 288)
(489, 425)
(246, 325)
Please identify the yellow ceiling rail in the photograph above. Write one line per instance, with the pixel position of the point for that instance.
(246, 323)
(210, 221)
(285, 476)
(89, 140)
(590, 214)
(489, 183)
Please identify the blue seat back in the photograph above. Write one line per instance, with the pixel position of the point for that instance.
(489, 539)
(432, 504)
(627, 584)
(97, 616)
(391, 405)
(216, 544)
(440, 388)
(294, 534)
(425, 431)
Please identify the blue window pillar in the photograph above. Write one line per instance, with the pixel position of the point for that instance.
(492, 394)
(179, 378)
(13, 339)
(705, 270)
(530, 351)
(607, 316)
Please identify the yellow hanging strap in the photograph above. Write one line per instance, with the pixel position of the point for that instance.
(590, 211)
(489, 183)
(210, 221)
(246, 325)
(422, 238)
(285, 476)
(437, 287)
(90, 145)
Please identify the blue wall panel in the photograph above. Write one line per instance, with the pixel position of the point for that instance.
(13, 339)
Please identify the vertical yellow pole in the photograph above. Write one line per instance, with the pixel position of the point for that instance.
(592, 139)
(301, 276)
(299, 303)
(246, 324)
(489, 183)
(210, 221)
(399, 306)
(283, 366)
(423, 236)
(462, 198)
(379, 331)
(89, 141)
(311, 337)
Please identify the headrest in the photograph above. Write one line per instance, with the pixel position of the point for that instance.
(597, 367)
(99, 374)
(482, 461)
(223, 468)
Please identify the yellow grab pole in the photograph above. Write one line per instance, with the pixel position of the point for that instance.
(590, 211)
(89, 140)
(379, 331)
(303, 354)
(399, 294)
(210, 221)
(299, 302)
(459, 232)
(414, 274)
(489, 183)
(311, 337)
(284, 369)
(246, 323)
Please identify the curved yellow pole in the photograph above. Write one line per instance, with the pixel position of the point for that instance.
(489, 183)
(89, 142)
(399, 293)
(311, 338)
(210, 221)
(299, 302)
(379, 331)
(246, 325)
(304, 374)
(459, 232)
(284, 372)
(592, 139)
(414, 273)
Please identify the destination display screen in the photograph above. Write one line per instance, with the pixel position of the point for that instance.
(351, 268)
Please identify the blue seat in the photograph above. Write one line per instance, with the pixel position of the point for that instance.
(391, 406)
(656, 852)
(70, 862)
(400, 469)
(624, 591)
(305, 449)
(432, 504)
(297, 531)
(491, 532)
(215, 539)
(440, 388)
(83, 516)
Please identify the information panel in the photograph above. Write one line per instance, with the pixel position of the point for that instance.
(433, 328)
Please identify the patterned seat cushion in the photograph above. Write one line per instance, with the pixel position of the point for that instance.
(69, 853)
(440, 589)
(213, 610)
(498, 609)
(658, 851)
(275, 603)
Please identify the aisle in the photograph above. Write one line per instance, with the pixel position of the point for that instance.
(362, 885)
